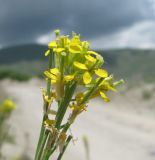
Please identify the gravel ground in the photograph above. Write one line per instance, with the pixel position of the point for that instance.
(123, 129)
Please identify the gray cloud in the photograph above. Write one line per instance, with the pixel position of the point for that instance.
(21, 21)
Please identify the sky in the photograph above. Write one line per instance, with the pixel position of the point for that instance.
(104, 23)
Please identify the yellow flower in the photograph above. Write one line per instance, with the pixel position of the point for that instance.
(98, 56)
(76, 62)
(8, 105)
(46, 98)
(54, 74)
(86, 76)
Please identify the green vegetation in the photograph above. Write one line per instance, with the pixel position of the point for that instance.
(14, 75)
(146, 95)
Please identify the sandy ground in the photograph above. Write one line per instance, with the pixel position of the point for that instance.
(123, 129)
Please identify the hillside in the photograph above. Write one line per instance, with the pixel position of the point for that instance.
(131, 64)
(19, 53)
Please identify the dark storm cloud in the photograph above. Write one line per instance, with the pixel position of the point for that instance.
(23, 20)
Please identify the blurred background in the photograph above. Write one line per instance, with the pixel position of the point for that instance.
(123, 31)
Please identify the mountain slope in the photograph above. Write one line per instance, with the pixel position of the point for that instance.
(136, 64)
(22, 53)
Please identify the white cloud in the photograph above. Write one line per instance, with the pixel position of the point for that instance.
(45, 38)
(140, 35)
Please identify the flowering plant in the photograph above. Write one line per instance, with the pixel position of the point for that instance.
(6, 108)
(71, 64)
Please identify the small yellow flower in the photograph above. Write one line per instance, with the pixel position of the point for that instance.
(98, 56)
(46, 98)
(87, 78)
(54, 74)
(8, 105)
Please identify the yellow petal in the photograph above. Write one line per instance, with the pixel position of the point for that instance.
(101, 73)
(103, 95)
(54, 71)
(52, 44)
(98, 56)
(47, 52)
(69, 78)
(58, 50)
(87, 78)
(80, 65)
(90, 58)
(49, 75)
(75, 48)
(92, 52)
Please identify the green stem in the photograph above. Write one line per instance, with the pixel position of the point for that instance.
(42, 145)
(42, 137)
(90, 92)
(85, 99)
(48, 153)
(59, 117)
(65, 147)
(64, 104)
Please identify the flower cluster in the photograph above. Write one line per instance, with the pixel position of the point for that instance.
(74, 61)
(6, 108)
(72, 65)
